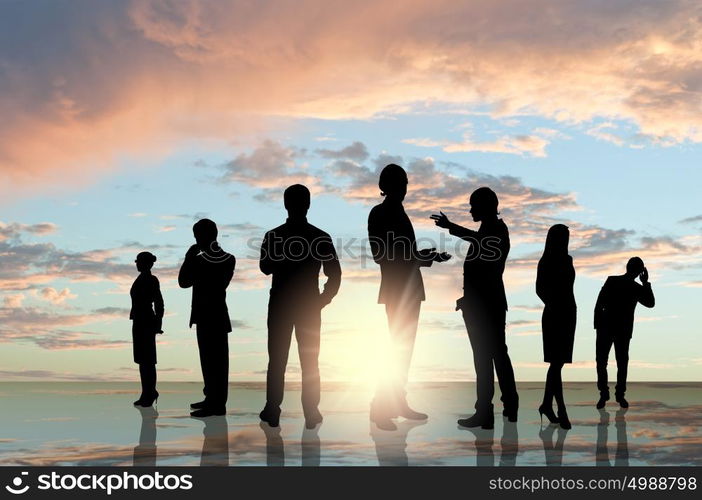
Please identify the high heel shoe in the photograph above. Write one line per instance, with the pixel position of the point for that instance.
(146, 402)
(563, 419)
(548, 411)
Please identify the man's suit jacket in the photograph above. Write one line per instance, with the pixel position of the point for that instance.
(616, 303)
(294, 253)
(394, 248)
(209, 275)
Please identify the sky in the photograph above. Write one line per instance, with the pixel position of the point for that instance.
(125, 122)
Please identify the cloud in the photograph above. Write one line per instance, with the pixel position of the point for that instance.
(532, 145)
(269, 167)
(160, 71)
(435, 186)
(54, 331)
(55, 296)
(692, 284)
(47, 375)
(529, 211)
(356, 151)
(29, 266)
(13, 230)
(691, 220)
(14, 300)
(602, 132)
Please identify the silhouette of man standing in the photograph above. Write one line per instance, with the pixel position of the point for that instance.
(294, 253)
(484, 306)
(394, 248)
(614, 323)
(208, 270)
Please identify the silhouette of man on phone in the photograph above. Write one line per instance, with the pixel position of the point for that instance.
(208, 270)
(614, 323)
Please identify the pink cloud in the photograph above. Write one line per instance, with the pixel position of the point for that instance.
(132, 79)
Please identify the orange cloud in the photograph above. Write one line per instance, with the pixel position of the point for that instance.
(132, 79)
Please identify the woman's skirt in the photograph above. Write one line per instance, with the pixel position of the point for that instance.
(144, 343)
(558, 327)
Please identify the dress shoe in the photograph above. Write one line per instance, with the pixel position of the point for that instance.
(510, 413)
(603, 401)
(622, 402)
(313, 419)
(270, 415)
(208, 411)
(410, 414)
(199, 405)
(482, 420)
(550, 415)
(384, 423)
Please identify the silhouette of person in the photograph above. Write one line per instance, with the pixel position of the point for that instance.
(294, 253)
(621, 457)
(484, 306)
(394, 248)
(146, 315)
(310, 447)
(215, 445)
(554, 286)
(553, 453)
(484, 442)
(601, 451)
(145, 451)
(391, 448)
(208, 270)
(275, 447)
(614, 323)
(509, 444)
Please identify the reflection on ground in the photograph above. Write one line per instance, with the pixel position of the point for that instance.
(95, 424)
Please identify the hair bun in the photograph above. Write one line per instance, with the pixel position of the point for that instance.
(146, 256)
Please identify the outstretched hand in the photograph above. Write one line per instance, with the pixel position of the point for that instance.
(440, 220)
(441, 256)
(430, 254)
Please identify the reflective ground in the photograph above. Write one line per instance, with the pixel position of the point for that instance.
(96, 424)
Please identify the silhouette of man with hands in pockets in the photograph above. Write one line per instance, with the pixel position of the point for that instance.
(484, 306)
(294, 253)
(614, 323)
(208, 270)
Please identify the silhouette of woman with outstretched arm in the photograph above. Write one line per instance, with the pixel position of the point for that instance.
(554, 286)
(484, 306)
(146, 316)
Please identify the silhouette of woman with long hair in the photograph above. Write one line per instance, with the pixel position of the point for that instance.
(146, 316)
(554, 286)
(394, 248)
